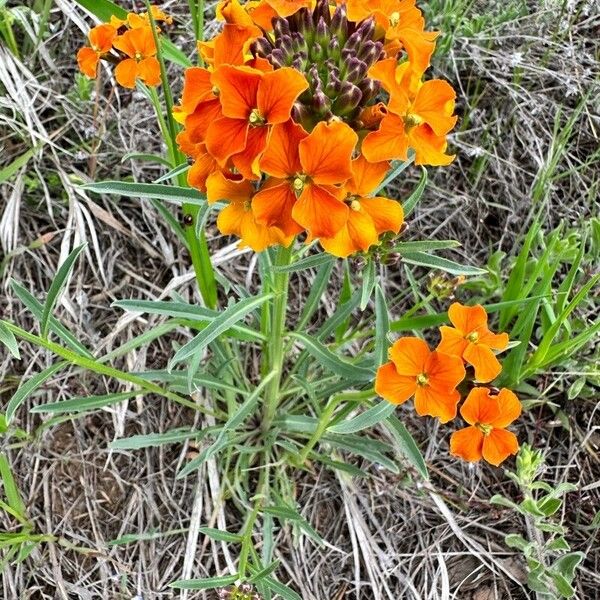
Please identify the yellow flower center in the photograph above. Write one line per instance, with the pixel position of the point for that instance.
(394, 18)
(215, 90)
(473, 337)
(255, 118)
(412, 120)
(138, 56)
(247, 205)
(355, 205)
(298, 183)
(485, 429)
(422, 379)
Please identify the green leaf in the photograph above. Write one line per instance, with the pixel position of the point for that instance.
(514, 540)
(11, 491)
(278, 588)
(37, 309)
(286, 513)
(559, 545)
(423, 259)
(564, 588)
(83, 403)
(372, 416)
(211, 450)
(227, 319)
(567, 564)
(425, 245)
(220, 535)
(204, 584)
(152, 440)
(152, 191)
(265, 572)
(317, 290)
(529, 505)
(104, 9)
(8, 339)
(26, 389)
(366, 447)
(368, 283)
(315, 260)
(382, 327)
(58, 284)
(183, 168)
(327, 359)
(397, 168)
(9, 170)
(411, 202)
(406, 445)
(549, 505)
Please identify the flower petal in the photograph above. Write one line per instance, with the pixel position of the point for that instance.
(87, 60)
(226, 137)
(273, 204)
(238, 88)
(389, 142)
(247, 161)
(467, 318)
(498, 445)
(366, 176)
(281, 158)
(467, 443)
(445, 371)
(484, 361)
(453, 341)
(149, 71)
(410, 355)
(218, 187)
(435, 104)
(436, 402)
(393, 387)
(102, 37)
(510, 408)
(319, 211)
(387, 215)
(430, 149)
(326, 154)
(480, 407)
(126, 73)
(277, 92)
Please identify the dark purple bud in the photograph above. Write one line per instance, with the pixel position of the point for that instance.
(299, 62)
(261, 47)
(339, 21)
(366, 29)
(285, 43)
(300, 112)
(298, 41)
(333, 49)
(278, 58)
(353, 43)
(348, 99)
(322, 12)
(281, 27)
(369, 88)
(322, 31)
(304, 20)
(320, 102)
(370, 52)
(357, 69)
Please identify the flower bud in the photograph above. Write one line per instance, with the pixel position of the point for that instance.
(322, 12)
(348, 99)
(278, 58)
(261, 47)
(370, 52)
(281, 27)
(339, 22)
(320, 101)
(366, 29)
(357, 69)
(353, 43)
(285, 44)
(369, 88)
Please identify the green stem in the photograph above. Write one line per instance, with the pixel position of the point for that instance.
(197, 244)
(325, 419)
(97, 367)
(275, 352)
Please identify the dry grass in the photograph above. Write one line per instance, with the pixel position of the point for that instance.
(529, 142)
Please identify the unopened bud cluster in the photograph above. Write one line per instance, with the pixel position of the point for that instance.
(333, 54)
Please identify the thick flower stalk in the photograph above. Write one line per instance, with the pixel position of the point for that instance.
(303, 105)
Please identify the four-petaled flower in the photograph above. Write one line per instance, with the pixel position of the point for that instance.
(138, 44)
(487, 416)
(431, 377)
(101, 40)
(471, 338)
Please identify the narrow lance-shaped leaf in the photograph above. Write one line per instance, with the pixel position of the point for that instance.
(8, 339)
(58, 284)
(150, 191)
(443, 264)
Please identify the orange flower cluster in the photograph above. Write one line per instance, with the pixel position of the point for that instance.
(432, 377)
(299, 110)
(127, 42)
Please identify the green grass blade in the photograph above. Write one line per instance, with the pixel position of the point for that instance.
(58, 284)
(316, 260)
(209, 583)
(8, 339)
(396, 170)
(317, 289)
(83, 404)
(154, 440)
(422, 259)
(382, 327)
(227, 319)
(11, 491)
(411, 202)
(407, 445)
(372, 416)
(368, 283)
(327, 359)
(26, 389)
(150, 191)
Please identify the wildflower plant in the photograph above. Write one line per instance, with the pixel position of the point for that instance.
(296, 116)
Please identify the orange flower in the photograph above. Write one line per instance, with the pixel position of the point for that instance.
(471, 339)
(486, 437)
(137, 20)
(403, 23)
(101, 41)
(286, 8)
(138, 44)
(237, 217)
(431, 377)
(420, 117)
(368, 217)
(251, 101)
(306, 169)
